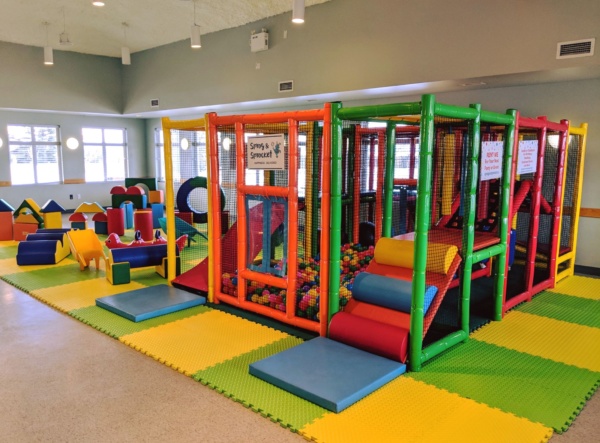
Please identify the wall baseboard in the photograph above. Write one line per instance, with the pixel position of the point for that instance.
(587, 270)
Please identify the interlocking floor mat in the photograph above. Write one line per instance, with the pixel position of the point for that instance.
(545, 337)
(233, 380)
(195, 343)
(582, 311)
(532, 387)
(117, 326)
(412, 411)
(585, 287)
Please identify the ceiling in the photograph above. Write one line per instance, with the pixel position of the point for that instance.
(150, 23)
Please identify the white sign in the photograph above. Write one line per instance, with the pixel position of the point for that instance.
(266, 152)
(491, 160)
(527, 157)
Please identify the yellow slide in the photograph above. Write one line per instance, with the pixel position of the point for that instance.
(85, 247)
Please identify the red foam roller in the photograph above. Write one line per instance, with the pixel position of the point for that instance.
(142, 221)
(116, 221)
(370, 335)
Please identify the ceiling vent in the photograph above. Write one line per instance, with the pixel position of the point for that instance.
(286, 86)
(576, 48)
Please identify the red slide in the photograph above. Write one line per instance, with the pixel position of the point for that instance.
(196, 279)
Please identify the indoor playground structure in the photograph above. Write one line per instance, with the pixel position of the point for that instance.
(392, 231)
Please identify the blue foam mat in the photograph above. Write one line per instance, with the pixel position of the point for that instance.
(153, 301)
(328, 373)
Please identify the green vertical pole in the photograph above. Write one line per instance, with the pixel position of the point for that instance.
(423, 211)
(350, 174)
(388, 184)
(315, 174)
(469, 202)
(336, 211)
(509, 139)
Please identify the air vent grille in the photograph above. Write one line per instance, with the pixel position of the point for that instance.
(577, 48)
(286, 86)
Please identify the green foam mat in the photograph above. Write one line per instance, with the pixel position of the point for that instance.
(582, 311)
(49, 277)
(232, 379)
(8, 251)
(531, 387)
(117, 326)
(147, 277)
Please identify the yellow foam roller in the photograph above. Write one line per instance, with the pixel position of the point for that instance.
(389, 251)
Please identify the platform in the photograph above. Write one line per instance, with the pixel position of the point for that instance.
(328, 373)
(153, 301)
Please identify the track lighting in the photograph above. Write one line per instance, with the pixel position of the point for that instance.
(298, 11)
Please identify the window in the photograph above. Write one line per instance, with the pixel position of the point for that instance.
(34, 154)
(104, 152)
(188, 154)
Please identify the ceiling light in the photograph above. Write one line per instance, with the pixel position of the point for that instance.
(195, 32)
(48, 54)
(63, 38)
(298, 11)
(97, 3)
(125, 54)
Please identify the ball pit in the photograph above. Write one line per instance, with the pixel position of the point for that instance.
(353, 260)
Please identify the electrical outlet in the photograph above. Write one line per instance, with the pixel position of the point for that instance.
(70, 196)
(78, 196)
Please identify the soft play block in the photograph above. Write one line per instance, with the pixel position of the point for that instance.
(153, 301)
(20, 230)
(158, 211)
(6, 226)
(155, 197)
(388, 292)
(327, 373)
(52, 220)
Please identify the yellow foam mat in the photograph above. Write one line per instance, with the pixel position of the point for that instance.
(412, 411)
(198, 342)
(545, 337)
(80, 294)
(9, 266)
(585, 287)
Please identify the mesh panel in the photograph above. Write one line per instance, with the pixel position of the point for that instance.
(189, 161)
(570, 193)
(266, 223)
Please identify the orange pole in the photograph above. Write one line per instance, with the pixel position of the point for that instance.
(277, 117)
(242, 233)
(214, 260)
(325, 221)
(265, 191)
(292, 243)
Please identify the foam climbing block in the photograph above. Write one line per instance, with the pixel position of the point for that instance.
(21, 230)
(141, 256)
(312, 371)
(153, 301)
(52, 220)
(389, 251)
(388, 292)
(6, 226)
(128, 209)
(156, 197)
(158, 211)
(142, 221)
(370, 336)
(116, 220)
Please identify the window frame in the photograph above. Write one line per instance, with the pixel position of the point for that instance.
(104, 145)
(34, 144)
